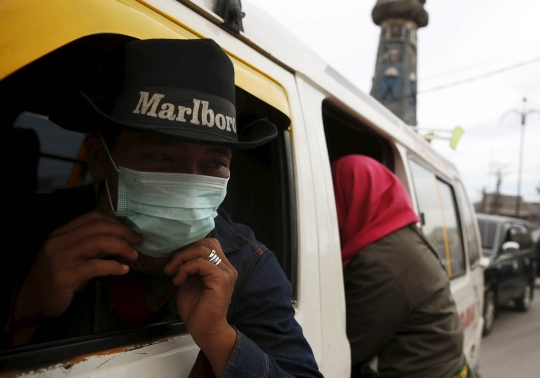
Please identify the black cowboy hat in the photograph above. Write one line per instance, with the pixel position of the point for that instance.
(178, 88)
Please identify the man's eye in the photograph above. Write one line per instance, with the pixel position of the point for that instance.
(157, 157)
(220, 164)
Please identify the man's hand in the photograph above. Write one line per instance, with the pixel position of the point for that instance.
(71, 256)
(203, 299)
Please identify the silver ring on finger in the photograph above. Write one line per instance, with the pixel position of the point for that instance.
(214, 258)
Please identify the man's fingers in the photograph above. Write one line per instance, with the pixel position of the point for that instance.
(98, 228)
(92, 237)
(201, 249)
(209, 273)
(86, 218)
(193, 251)
(94, 245)
(219, 251)
(85, 271)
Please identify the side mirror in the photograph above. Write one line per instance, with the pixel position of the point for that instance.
(484, 262)
(510, 245)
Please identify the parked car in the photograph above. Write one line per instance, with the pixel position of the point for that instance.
(536, 239)
(537, 252)
(510, 264)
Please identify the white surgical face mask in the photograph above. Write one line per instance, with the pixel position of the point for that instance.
(169, 210)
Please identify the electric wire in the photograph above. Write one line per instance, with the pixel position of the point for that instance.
(478, 77)
(424, 79)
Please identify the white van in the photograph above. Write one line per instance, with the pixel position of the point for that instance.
(282, 190)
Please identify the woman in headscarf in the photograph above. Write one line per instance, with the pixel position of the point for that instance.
(401, 317)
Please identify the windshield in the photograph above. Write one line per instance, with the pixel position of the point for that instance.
(487, 233)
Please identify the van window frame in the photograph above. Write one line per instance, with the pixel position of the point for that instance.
(40, 354)
(445, 180)
(289, 228)
(465, 211)
(334, 116)
(496, 235)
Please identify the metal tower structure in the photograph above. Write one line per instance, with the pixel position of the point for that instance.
(395, 80)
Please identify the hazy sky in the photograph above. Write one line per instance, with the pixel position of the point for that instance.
(464, 39)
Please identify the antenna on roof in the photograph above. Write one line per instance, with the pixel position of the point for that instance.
(231, 12)
(429, 134)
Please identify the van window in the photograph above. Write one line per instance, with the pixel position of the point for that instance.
(438, 213)
(346, 135)
(260, 193)
(521, 235)
(488, 231)
(59, 152)
(468, 225)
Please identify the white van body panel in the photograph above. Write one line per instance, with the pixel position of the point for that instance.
(335, 353)
(164, 358)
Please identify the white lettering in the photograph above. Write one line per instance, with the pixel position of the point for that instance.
(207, 113)
(181, 111)
(144, 104)
(234, 125)
(229, 122)
(195, 118)
(220, 122)
(167, 111)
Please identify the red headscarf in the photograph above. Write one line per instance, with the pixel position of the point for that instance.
(371, 203)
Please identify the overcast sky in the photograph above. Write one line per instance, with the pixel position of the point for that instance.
(464, 39)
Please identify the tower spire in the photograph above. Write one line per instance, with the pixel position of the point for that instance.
(395, 80)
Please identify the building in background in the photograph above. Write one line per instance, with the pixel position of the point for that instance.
(395, 80)
(500, 204)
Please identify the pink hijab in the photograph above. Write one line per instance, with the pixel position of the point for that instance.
(371, 203)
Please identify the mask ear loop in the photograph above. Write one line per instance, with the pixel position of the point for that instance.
(115, 167)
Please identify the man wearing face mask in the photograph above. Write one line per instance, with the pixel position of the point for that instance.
(147, 242)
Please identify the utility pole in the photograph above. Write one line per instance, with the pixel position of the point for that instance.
(496, 202)
(523, 114)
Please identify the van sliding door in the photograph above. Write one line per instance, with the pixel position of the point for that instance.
(439, 217)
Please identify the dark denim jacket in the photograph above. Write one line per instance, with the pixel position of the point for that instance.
(270, 342)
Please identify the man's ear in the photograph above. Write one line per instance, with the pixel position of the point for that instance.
(96, 157)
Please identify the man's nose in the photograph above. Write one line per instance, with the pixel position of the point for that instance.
(189, 166)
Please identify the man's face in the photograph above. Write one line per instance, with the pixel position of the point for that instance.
(156, 153)
(152, 153)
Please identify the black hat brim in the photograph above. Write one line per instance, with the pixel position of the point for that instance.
(79, 113)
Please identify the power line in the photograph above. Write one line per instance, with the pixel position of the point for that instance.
(459, 69)
(483, 76)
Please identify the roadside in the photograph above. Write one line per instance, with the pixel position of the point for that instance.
(535, 234)
(512, 348)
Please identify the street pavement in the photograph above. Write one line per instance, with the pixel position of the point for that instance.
(512, 349)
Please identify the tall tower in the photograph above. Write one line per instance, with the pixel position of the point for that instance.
(395, 80)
